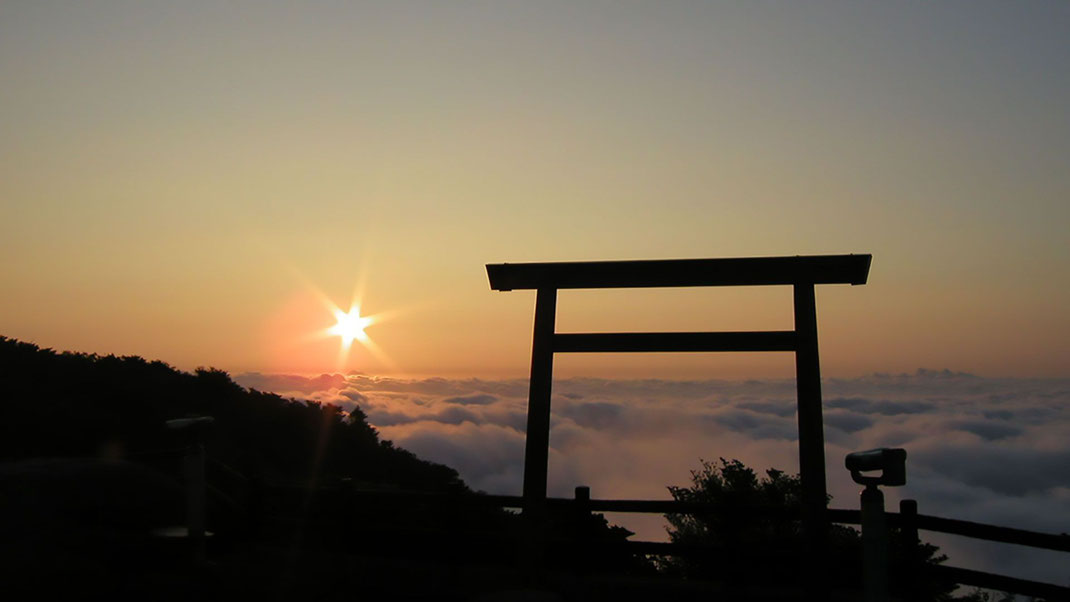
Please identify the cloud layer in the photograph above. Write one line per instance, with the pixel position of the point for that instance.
(989, 450)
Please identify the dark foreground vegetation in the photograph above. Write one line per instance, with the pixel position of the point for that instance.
(305, 501)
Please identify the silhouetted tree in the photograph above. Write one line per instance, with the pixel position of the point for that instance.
(745, 547)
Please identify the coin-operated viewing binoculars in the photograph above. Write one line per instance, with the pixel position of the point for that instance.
(891, 462)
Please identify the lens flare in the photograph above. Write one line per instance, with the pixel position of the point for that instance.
(350, 326)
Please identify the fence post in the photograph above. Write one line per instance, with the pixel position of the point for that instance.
(195, 431)
(911, 577)
(583, 502)
(582, 522)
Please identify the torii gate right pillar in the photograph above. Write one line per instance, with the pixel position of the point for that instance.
(811, 429)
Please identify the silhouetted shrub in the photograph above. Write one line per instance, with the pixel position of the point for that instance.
(744, 546)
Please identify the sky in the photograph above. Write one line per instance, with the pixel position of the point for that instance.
(183, 181)
(202, 182)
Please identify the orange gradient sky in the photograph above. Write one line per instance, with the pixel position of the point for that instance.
(183, 181)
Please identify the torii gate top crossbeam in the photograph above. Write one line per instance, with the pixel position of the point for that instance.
(737, 271)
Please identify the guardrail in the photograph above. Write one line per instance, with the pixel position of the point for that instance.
(908, 520)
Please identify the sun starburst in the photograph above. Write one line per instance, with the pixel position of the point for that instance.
(350, 326)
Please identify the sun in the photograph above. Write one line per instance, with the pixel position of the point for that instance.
(350, 326)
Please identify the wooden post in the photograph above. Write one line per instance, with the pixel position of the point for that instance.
(195, 498)
(582, 528)
(583, 498)
(911, 577)
(582, 510)
(537, 444)
(194, 431)
(537, 441)
(811, 432)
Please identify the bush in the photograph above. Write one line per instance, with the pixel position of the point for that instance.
(744, 547)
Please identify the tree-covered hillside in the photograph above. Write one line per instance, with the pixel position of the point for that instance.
(302, 498)
(85, 405)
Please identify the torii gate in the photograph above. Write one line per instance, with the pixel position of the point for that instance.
(800, 272)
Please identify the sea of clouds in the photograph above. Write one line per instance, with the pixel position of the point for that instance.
(982, 449)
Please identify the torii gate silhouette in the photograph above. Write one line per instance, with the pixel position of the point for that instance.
(799, 272)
